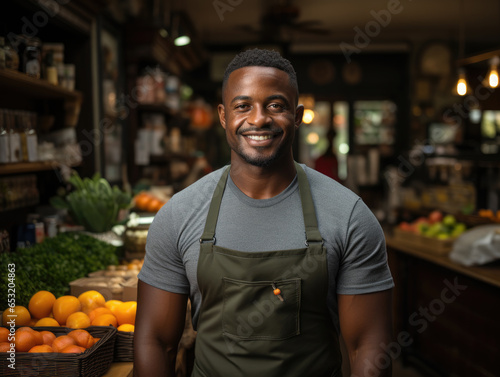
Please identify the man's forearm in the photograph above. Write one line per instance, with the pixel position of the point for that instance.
(152, 359)
(371, 363)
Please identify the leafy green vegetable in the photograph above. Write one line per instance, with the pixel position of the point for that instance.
(53, 264)
(93, 203)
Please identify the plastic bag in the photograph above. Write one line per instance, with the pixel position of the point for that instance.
(477, 246)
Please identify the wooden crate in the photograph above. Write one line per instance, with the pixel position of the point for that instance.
(427, 244)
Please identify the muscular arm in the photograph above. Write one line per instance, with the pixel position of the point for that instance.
(158, 328)
(366, 324)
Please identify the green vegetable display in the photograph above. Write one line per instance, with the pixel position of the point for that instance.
(94, 204)
(53, 264)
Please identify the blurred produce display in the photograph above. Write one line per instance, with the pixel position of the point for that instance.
(54, 263)
(435, 225)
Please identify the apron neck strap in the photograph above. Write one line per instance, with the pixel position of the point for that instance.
(310, 221)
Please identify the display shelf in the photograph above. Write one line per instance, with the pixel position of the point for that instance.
(28, 167)
(37, 88)
(156, 108)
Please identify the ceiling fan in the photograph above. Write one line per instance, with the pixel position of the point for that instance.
(280, 21)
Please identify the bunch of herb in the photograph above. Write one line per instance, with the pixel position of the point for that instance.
(93, 203)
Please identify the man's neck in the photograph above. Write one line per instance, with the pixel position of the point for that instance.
(262, 182)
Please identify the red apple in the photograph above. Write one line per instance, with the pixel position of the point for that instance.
(435, 216)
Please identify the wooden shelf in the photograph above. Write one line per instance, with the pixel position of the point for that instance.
(28, 167)
(37, 88)
(157, 108)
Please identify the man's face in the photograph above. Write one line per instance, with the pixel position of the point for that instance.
(259, 114)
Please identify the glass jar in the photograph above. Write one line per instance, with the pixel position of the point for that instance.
(11, 57)
(32, 57)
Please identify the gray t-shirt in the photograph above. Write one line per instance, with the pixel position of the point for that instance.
(356, 254)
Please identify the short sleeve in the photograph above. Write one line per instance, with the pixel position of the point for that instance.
(163, 267)
(363, 267)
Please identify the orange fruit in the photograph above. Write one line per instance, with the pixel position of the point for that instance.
(105, 320)
(125, 312)
(91, 300)
(82, 338)
(78, 320)
(97, 312)
(4, 334)
(64, 306)
(25, 340)
(24, 328)
(96, 340)
(47, 322)
(23, 316)
(62, 341)
(126, 327)
(48, 337)
(41, 349)
(4, 347)
(142, 200)
(41, 304)
(154, 205)
(112, 305)
(38, 337)
(72, 348)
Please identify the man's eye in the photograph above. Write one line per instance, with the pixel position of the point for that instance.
(276, 106)
(241, 107)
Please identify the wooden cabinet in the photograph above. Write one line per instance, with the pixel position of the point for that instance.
(449, 312)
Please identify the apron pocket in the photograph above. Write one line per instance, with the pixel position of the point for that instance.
(252, 311)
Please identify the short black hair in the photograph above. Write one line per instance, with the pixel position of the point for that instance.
(261, 58)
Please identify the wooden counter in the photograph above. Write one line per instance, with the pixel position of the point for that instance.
(489, 274)
(450, 313)
(125, 369)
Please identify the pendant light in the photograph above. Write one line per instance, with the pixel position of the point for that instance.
(461, 86)
(179, 35)
(493, 75)
(461, 83)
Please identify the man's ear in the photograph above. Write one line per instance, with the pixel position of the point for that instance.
(299, 113)
(222, 115)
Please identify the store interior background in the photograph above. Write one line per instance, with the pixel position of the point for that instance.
(383, 74)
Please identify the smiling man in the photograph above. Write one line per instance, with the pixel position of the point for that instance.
(277, 259)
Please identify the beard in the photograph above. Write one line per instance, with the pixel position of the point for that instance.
(260, 160)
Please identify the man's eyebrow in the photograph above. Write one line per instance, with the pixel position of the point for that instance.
(240, 98)
(280, 97)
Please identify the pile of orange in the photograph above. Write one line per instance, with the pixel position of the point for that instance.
(88, 309)
(147, 202)
(27, 339)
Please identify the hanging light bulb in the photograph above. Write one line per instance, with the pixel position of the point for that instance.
(308, 116)
(461, 83)
(493, 76)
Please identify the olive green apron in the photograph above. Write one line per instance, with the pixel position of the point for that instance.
(264, 313)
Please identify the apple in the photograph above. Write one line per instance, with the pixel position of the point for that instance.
(449, 220)
(435, 216)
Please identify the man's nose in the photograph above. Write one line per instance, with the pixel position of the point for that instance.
(258, 116)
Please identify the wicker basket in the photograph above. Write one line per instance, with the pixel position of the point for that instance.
(124, 346)
(94, 362)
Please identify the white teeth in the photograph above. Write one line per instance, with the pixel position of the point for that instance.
(255, 137)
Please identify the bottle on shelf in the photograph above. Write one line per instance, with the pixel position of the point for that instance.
(32, 57)
(4, 139)
(14, 137)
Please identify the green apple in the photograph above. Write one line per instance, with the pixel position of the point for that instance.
(449, 220)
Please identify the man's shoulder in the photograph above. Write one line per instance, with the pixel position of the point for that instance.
(202, 188)
(325, 186)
